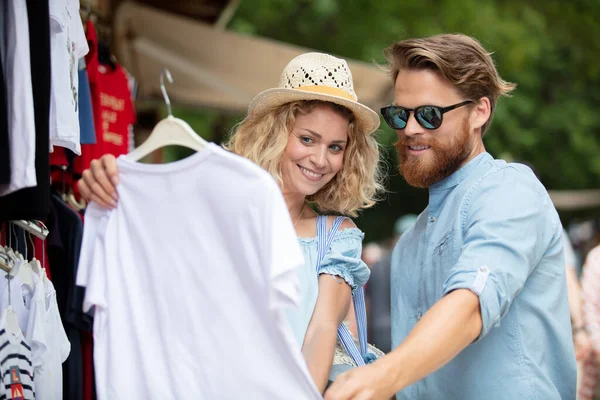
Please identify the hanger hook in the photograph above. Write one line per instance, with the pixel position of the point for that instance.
(30, 236)
(163, 89)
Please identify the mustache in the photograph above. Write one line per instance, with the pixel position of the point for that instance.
(404, 142)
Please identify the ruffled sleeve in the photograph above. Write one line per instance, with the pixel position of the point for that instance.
(344, 258)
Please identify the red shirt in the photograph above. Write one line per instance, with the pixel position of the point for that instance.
(112, 106)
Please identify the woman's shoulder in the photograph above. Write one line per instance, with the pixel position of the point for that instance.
(346, 223)
(347, 232)
(347, 229)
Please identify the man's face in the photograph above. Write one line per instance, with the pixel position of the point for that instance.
(428, 156)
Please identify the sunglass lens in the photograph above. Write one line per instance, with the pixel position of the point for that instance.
(396, 117)
(429, 117)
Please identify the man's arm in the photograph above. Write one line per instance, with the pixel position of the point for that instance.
(444, 331)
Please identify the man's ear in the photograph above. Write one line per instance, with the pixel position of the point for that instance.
(480, 112)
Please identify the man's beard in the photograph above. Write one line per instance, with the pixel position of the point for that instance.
(445, 160)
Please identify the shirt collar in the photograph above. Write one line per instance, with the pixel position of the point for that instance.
(459, 175)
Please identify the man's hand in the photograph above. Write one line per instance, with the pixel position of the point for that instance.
(371, 382)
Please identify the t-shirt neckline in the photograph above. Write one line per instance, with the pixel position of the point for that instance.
(128, 165)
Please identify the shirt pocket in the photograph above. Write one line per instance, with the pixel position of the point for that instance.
(445, 254)
(444, 246)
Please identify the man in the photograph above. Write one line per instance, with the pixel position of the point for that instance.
(377, 293)
(479, 299)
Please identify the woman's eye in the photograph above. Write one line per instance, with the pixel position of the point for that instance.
(336, 148)
(306, 139)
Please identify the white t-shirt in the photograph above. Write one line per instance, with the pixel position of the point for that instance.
(21, 123)
(16, 299)
(48, 375)
(188, 276)
(35, 334)
(68, 44)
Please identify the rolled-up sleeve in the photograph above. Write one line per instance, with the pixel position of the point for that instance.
(506, 229)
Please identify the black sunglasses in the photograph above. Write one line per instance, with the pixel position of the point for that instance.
(429, 117)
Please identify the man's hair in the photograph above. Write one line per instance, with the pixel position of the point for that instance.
(263, 139)
(459, 59)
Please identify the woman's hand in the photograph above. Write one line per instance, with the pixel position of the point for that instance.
(99, 182)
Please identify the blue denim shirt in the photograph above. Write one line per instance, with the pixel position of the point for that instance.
(490, 228)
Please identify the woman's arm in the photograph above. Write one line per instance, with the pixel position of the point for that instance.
(332, 306)
(351, 319)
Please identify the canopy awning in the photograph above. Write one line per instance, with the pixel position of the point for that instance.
(212, 67)
(568, 200)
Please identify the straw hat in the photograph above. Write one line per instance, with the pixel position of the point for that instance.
(317, 76)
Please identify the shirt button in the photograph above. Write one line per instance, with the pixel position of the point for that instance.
(432, 219)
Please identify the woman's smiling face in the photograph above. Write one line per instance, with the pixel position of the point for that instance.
(315, 150)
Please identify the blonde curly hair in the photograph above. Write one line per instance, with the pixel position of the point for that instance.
(263, 139)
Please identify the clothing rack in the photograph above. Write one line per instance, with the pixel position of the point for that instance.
(36, 228)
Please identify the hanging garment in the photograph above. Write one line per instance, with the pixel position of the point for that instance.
(4, 143)
(189, 276)
(64, 242)
(117, 114)
(34, 203)
(35, 333)
(16, 368)
(86, 112)
(68, 46)
(48, 376)
(113, 108)
(13, 296)
(21, 123)
(92, 63)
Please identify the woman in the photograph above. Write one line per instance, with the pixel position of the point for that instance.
(590, 285)
(315, 139)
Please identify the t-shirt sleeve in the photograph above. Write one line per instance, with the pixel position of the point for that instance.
(506, 230)
(91, 271)
(281, 250)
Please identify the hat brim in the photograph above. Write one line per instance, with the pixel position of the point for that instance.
(367, 119)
